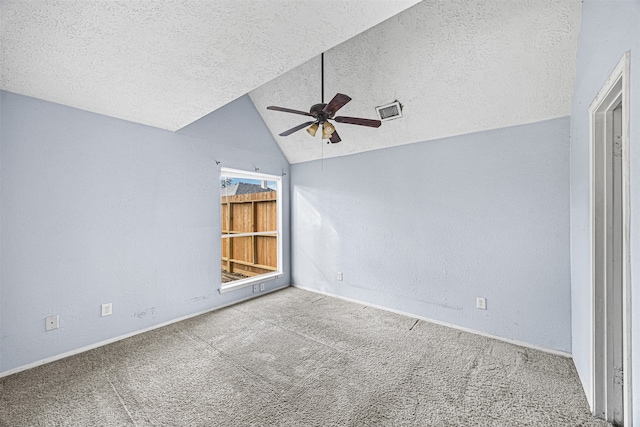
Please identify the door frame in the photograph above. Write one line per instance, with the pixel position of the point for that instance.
(615, 90)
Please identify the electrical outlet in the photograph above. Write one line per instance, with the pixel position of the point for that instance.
(261, 287)
(339, 276)
(51, 322)
(256, 288)
(481, 303)
(106, 309)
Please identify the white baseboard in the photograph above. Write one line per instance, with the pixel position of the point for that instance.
(437, 322)
(160, 325)
(131, 334)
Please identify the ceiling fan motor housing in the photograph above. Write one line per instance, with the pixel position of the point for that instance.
(322, 113)
(317, 112)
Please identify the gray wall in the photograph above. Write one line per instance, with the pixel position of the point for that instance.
(425, 228)
(609, 28)
(96, 210)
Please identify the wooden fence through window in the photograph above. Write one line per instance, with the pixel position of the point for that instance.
(250, 213)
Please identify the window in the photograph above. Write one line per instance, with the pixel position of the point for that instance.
(251, 224)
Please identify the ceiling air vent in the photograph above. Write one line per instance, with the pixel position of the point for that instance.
(389, 111)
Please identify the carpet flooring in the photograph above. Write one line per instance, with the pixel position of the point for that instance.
(297, 358)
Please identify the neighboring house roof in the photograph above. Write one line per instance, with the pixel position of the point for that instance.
(243, 188)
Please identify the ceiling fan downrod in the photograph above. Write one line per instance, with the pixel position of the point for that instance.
(322, 113)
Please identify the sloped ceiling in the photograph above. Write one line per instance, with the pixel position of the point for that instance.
(456, 66)
(166, 63)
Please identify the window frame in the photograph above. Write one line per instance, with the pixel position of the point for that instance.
(249, 281)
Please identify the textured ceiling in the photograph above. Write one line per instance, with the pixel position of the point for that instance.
(456, 66)
(168, 63)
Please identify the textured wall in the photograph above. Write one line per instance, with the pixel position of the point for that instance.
(425, 228)
(456, 66)
(609, 28)
(95, 210)
(168, 63)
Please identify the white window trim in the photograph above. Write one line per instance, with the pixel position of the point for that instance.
(249, 281)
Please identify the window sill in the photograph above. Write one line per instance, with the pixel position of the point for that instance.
(244, 283)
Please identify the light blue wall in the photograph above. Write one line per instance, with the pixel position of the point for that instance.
(1, 97)
(96, 210)
(609, 29)
(425, 228)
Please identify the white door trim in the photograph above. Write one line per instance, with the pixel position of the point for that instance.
(616, 87)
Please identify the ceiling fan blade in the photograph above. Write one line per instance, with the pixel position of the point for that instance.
(296, 129)
(358, 121)
(289, 110)
(336, 103)
(335, 138)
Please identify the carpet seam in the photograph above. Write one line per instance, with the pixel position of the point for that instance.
(244, 367)
(124, 405)
(197, 338)
(310, 338)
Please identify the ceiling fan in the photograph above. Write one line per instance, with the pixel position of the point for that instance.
(322, 113)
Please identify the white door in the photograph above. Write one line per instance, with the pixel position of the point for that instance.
(614, 265)
(609, 151)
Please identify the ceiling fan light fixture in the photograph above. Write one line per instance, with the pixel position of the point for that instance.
(311, 130)
(327, 130)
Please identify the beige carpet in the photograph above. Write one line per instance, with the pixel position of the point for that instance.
(296, 358)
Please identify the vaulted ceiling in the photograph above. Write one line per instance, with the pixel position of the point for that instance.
(456, 66)
(166, 63)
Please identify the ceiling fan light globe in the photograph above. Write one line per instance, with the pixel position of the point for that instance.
(327, 130)
(311, 130)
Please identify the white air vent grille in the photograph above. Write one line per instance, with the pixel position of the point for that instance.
(389, 111)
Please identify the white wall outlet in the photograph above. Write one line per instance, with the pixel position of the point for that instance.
(106, 309)
(261, 287)
(481, 303)
(256, 288)
(51, 322)
(339, 276)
